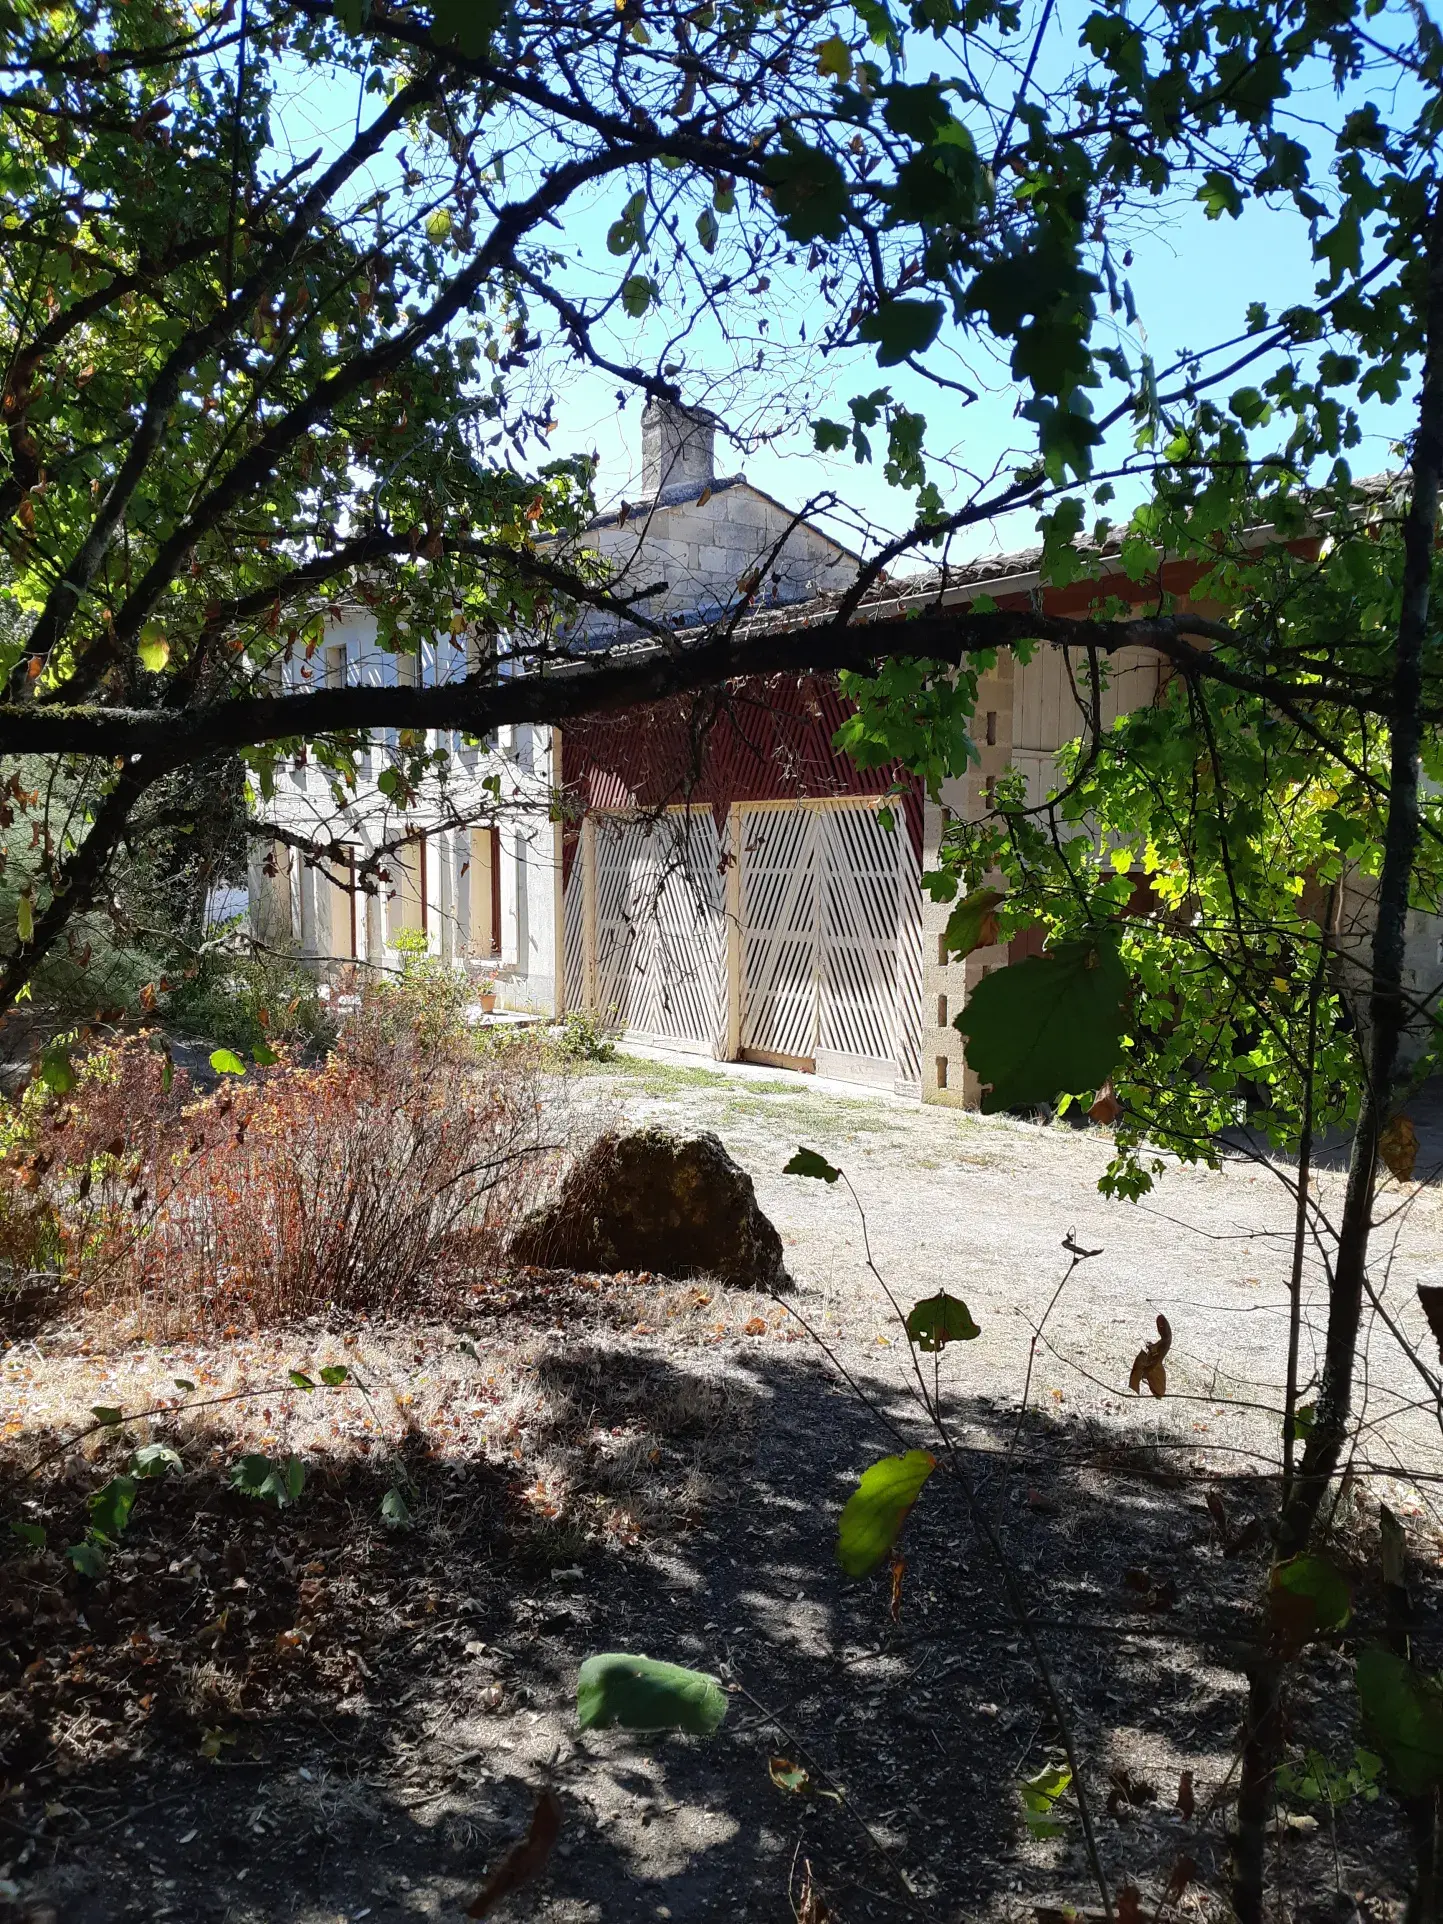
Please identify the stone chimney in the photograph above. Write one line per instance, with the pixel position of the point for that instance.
(677, 449)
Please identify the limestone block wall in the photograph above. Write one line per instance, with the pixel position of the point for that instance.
(946, 984)
(702, 549)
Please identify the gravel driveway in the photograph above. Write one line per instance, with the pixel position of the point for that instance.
(981, 1206)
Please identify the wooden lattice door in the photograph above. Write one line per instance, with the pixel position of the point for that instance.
(860, 878)
(644, 926)
(829, 944)
(778, 935)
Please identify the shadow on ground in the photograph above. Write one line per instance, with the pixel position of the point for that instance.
(297, 1714)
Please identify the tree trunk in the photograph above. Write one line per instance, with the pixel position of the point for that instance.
(1386, 1019)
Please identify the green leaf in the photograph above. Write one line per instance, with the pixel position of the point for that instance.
(299, 1380)
(469, 24)
(834, 57)
(1307, 1597)
(334, 1374)
(639, 1693)
(876, 1510)
(31, 1533)
(636, 293)
(87, 1557)
(939, 1320)
(152, 647)
(226, 1062)
(184, 1383)
(707, 229)
(111, 1504)
(154, 1459)
(1251, 407)
(807, 1162)
(1304, 1417)
(264, 1055)
(973, 923)
(260, 1476)
(1046, 1027)
(395, 1509)
(1039, 1794)
(57, 1071)
(25, 918)
(1403, 1712)
(438, 225)
(808, 192)
(105, 1413)
(900, 328)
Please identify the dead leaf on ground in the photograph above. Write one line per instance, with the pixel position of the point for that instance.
(1398, 1146)
(1430, 1295)
(1129, 1904)
(1147, 1364)
(1107, 1108)
(1179, 1877)
(1128, 1792)
(807, 1906)
(1155, 1594)
(1186, 1805)
(788, 1776)
(1234, 1542)
(524, 1861)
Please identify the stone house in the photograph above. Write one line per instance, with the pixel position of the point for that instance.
(709, 877)
(483, 884)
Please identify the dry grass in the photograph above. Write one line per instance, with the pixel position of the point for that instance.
(603, 1440)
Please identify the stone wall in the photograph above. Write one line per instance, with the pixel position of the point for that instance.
(946, 984)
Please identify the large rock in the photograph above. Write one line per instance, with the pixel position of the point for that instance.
(649, 1200)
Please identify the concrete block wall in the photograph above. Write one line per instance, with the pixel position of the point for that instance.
(946, 984)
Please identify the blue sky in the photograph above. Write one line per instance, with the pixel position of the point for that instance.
(1192, 279)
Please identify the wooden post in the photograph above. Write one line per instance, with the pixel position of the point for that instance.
(586, 855)
(731, 1039)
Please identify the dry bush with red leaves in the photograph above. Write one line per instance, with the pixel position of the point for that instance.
(398, 1165)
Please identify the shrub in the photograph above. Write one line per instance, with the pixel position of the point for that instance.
(396, 1164)
(581, 1036)
(244, 995)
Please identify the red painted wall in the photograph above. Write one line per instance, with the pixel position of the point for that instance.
(761, 740)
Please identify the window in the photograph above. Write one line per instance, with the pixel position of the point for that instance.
(406, 904)
(484, 876)
(345, 933)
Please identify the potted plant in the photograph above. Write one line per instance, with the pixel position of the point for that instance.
(486, 996)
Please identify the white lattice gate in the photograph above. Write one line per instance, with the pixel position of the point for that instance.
(809, 955)
(644, 911)
(829, 941)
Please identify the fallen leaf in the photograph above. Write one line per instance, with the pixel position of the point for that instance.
(524, 1862)
(1107, 1108)
(1398, 1146)
(1129, 1904)
(899, 1567)
(1186, 1805)
(1182, 1873)
(1430, 1295)
(754, 1326)
(1127, 1792)
(1147, 1364)
(787, 1775)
